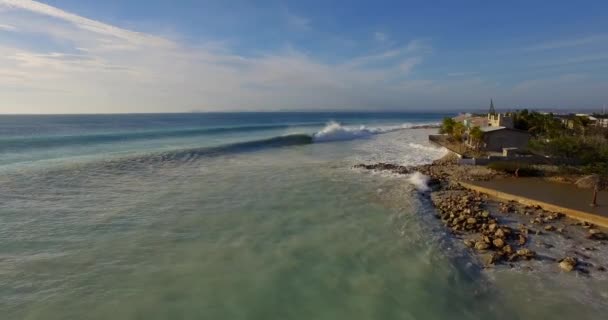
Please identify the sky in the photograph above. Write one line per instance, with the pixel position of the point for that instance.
(114, 56)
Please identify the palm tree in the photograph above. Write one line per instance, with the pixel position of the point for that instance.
(447, 126)
(476, 137)
(458, 131)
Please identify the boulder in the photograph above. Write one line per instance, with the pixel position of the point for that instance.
(568, 264)
(498, 243)
(500, 233)
(526, 253)
(480, 245)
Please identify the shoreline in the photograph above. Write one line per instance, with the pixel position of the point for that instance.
(507, 234)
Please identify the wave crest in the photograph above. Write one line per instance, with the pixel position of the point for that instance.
(334, 131)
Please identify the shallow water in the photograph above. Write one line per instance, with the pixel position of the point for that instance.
(280, 232)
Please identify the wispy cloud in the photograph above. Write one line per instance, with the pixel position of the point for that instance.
(92, 66)
(568, 43)
(573, 60)
(407, 65)
(7, 27)
(115, 69)
(462, 74)
(297, 22)
(85, 23)
(380, 36)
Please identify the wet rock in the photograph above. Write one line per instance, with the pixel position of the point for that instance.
(471, 221)
(469, 243)
(526, 253)
(596, 234)
(549, 228)
(568, 264)
(490, 259)
(498, 243)
(522, 239)
(500, 233)
(481, 245)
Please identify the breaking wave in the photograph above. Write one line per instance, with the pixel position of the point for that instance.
(334, 131)
(419, 180)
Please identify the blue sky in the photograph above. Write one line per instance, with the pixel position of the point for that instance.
(67, 56)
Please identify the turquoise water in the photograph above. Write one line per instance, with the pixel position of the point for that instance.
(238, 224)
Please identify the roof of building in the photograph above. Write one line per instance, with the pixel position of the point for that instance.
(494, 129)
(490, 129)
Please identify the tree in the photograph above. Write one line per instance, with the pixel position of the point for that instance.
(476, 137)
(458, 131)
(447, 126)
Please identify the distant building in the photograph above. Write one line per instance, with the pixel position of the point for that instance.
(498, 133)
(469, 120)
(567, 120)
(498, 138)
(602, 122)
(499, 119)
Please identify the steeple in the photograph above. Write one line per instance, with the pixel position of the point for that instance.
(492, 110)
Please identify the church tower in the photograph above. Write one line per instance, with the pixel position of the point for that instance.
(492, 110)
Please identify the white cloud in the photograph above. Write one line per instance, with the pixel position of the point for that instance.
(84, 23)
(408, 64)
(380, 36)
(105, 68)
(297, 22)
(97, 67)
(7, 27)
(462, 74)
(566, 43)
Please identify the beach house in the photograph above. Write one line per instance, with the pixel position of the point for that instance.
(498, 134)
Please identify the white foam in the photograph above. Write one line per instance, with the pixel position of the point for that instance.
(403, 147)
(419, 180)
(334, 131)
(425, 148)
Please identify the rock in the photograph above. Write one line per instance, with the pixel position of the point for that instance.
(500, 233)
(480, 245)
(469, 243)
(507, 249)
(485, 213)
(549, 228)
(471, 221)
(596, 234)
(490, 259)
(522, 239)
(492, 227)
(526, 253)
(498, 243)
(568, 264)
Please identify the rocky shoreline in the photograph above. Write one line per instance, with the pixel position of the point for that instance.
(507, 233)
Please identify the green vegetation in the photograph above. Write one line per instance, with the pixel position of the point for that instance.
(476, 136)
(447, 126)
(568, 142)
(455, 130)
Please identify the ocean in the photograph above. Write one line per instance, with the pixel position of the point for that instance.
(240, 216)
